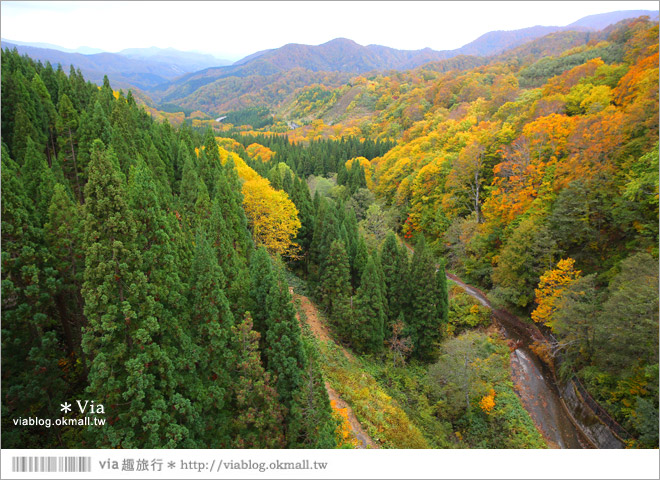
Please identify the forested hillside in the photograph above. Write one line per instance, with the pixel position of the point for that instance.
(540, 182)
(126, 258)
(153, 267)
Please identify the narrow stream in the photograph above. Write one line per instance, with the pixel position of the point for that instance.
(534, 384)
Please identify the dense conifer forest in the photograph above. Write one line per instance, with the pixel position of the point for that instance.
(222, 285)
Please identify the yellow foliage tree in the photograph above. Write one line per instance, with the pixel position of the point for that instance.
(272, 216)
(257, 151)
(551, 285)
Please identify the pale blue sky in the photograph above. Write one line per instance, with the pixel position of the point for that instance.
(233, 30)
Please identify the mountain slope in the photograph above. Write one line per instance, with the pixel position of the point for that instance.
(346, 56)
(602, 20)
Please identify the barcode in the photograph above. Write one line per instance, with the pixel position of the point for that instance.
(51, 464)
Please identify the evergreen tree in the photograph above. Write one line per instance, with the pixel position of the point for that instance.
(303, 201)
(92, 126)
(189, 183)
(38, 180)
(366, 332)
(32, 382)
(234, 267)
(67, 125)
(46, 114)
(423, 321)
(310, 422)
(155, 231)
(257, 416)
(360, 261)
(127, 363)
(211, 323)
(261, 281)
(202, 211)
(394, 263)
(335, 287)
(23, 130)
(228, 192)
(352, 234)
(326, 230)
(285, 358)
(64, 236)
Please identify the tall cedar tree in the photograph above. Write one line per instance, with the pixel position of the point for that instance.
(422, 319)
(67, 126)
(367, 330)
(335, 289)
(359, 262)
(234, 267)
(326, 230)
(32, 382)
(129, 369)
(257, 415)
(394, 281)
(261, 281)
(161, 265)
(311, 424)
(285, 358)
(211, 326)
(64, 237)
(38, 179)
(303, 201)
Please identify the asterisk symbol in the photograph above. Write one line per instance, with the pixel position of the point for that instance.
(65, 407)
(171, 464)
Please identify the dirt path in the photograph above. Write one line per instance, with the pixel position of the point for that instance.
(320, 331)
(364, 440)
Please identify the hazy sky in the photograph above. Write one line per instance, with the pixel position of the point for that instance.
(233, 30)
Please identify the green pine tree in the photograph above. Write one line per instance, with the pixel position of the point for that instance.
(423, 321)
(120, 340)
(335, 288)
(212, 321)
(284, 354)
(310, 422)
(38, 179)
(257, 416)
(366, 333)
(261, 281)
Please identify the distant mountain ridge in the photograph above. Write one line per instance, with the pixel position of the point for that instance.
(347, 56)
(84, 50)
(143, 68)
(170, 75)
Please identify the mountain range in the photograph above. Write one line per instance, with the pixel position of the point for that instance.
(143, 68)
(169, 75)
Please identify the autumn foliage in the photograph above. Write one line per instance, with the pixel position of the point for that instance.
(552, 285)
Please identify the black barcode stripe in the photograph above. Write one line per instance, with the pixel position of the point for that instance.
(51, 464)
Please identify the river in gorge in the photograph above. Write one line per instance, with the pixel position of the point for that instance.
(534, 383)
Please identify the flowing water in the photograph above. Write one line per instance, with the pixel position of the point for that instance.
(534, 383)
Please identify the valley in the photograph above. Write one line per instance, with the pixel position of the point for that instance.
(336, 246)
